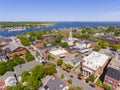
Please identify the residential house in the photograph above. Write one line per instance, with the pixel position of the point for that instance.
(24, 67)
(37, 44)
(55, 84)
(72, 59)
(2, 85)
(9, 79)
(15, 49)
(3, 56)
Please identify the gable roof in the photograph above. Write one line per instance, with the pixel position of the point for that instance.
(113, 73)
(12, 47)
(26, 66)
(55, 84)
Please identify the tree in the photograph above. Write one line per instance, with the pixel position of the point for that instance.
(68, 66)
(29, 57)
(106, 87)
(33, 83)
(90, 78)
(105, 44)
(116, 46)
(18, 60)
(3, 68)
(59, 62)
(38, 35)
(53, 42)
(97, 48)
(58, 38)
(38, 72)
(62, 75)
(50, 69)
(10, 64)
(70, 81)
(64, 44)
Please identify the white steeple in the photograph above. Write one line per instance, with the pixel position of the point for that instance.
(70, 36)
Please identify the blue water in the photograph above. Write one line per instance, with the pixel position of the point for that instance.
(60, 25)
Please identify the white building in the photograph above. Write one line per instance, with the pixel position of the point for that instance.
(82, 45)
(94, 63)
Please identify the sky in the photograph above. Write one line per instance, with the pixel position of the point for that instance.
(59, 10)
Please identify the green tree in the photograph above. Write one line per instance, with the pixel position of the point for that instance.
(64, 44)
(59, 62)
(68, 66)
(18, 60)
(10, 64)
(106, 87)
(70, 81)
(29, 57)
(53, 42)
(33, 83)
(116, 46)
(62, 75)
(38, 72)
(58, 38)
(105, 44)
(90, 78)
(3, 68)
(50, 69)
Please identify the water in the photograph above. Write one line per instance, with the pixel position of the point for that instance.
(57, 25)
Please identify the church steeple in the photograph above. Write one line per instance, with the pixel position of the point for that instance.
(70, 36)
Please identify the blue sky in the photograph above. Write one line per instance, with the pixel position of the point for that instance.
(59, 10)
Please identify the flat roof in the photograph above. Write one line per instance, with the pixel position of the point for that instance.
(58, 51)
(95, 60)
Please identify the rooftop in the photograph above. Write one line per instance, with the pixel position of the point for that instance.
(26, 66)
(6, 75)
(55, 84)
(13, 46)
(72, 59)
(58, 51)
(95, 60)
(113, 73)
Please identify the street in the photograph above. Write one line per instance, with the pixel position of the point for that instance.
(75, 80)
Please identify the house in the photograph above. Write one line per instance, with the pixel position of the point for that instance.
(3, 56)
(94, 63)
(48, 37)
(2, 85)
(92, 43)
(72, 60)
(55, 84)
(24, 67)
(82, 45)
(112, 78)
(71, 49)
(37, 44)
(15, 49)
(9, 79)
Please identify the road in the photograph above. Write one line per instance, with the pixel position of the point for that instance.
(75, 80)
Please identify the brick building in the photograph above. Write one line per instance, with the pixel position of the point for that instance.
(94, 63)
(15, 49)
